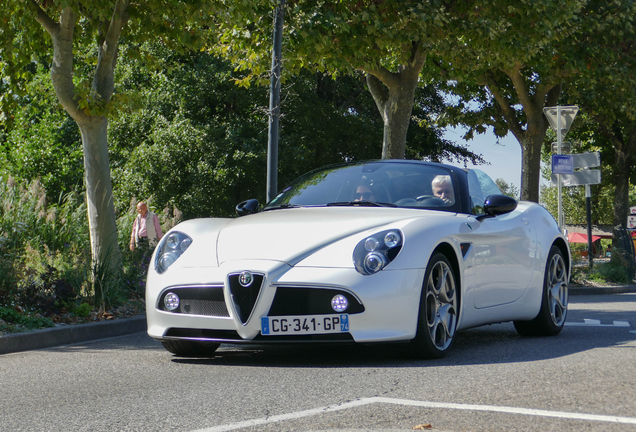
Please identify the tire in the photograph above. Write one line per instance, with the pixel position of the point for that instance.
(437, 318)
(182, 348)
(554, 302)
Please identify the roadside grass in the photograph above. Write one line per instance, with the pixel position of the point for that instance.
(616, 271)
(46, 274)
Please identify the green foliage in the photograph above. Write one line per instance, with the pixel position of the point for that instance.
(44, 142)
(585, 137)
(199, 144)
(612, 272)
(23, 37)
(13, 321)
(43, 258)
(329, 36)
(83, 310)
(507, 189)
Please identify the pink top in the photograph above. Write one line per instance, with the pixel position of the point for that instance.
(142, 231)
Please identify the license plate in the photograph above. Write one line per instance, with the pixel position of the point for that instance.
(307, 324)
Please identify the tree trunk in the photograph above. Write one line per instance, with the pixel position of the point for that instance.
(530, 138)
(530, 165)
(622, 169)
(394, 93)
(106, 256)
(395, 107)
(624, 150)
(99, 195)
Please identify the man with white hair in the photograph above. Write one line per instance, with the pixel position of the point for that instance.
(443, 188)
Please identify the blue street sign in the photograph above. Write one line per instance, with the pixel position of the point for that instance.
(562, 164)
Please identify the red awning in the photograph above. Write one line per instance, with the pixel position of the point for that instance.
(580, 238)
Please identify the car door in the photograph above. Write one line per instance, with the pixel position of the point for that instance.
(503, 249)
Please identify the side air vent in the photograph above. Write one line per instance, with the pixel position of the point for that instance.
(244, 289)
(197, 300)
(310, 301)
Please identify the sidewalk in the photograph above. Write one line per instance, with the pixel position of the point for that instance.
(68, 334)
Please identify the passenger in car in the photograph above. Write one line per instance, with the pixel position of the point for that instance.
(443, 188)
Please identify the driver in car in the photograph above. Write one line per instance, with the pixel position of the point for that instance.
(364, 193)
(443, 188)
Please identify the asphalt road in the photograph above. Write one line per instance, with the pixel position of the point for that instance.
(493, 380)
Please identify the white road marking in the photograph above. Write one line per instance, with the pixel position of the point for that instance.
(597, 323)
(421, 404)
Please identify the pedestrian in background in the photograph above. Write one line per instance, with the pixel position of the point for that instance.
(146, 231)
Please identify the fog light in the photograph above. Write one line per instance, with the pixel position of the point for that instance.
(171, 300)
(339, 303)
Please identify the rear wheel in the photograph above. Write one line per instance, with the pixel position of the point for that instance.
(554, 303)
(182, 348)
(437, 320)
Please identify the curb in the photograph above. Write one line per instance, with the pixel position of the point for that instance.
(580, 290)
(69, 334)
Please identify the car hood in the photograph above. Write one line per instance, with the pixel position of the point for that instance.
(290, 235)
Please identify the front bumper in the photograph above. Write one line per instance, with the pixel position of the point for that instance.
(382, 307)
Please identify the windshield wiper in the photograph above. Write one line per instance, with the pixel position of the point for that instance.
(281, 206)
(361, 204)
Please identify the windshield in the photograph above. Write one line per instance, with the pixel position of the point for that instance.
(379, 183)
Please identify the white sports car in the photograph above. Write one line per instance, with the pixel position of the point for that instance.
(379, 251)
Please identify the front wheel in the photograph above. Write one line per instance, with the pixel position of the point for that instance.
(554, 303)
(437, 320)
(182, 348)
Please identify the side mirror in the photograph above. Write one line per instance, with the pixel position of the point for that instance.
(247, 207)
(496, 205)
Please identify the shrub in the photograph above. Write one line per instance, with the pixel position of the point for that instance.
(13, 320)
(45, 258)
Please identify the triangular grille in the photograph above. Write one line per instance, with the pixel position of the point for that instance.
(244, 297)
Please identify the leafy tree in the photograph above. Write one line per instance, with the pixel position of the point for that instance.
(586, 136)
(44, 142)
(52, 30)
(507, 188)
(196, 140)
(605, 89)
(387, 40)
(507, 60)
(199, 142)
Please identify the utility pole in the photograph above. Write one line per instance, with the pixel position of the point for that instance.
(274, 104)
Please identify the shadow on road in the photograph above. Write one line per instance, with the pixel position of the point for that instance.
(492, 344)
(485, 345)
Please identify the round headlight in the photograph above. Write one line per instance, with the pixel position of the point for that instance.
(171, 300)
(371, 244)
(376, 251)
(374, 262)
(339, 303)
(185, 243)
(392, 239)
(170, 248)
(167, 259)
(172, 241)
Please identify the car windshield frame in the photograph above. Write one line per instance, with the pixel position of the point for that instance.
(373, 184)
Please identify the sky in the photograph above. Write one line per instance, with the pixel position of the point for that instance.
(504, 155)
